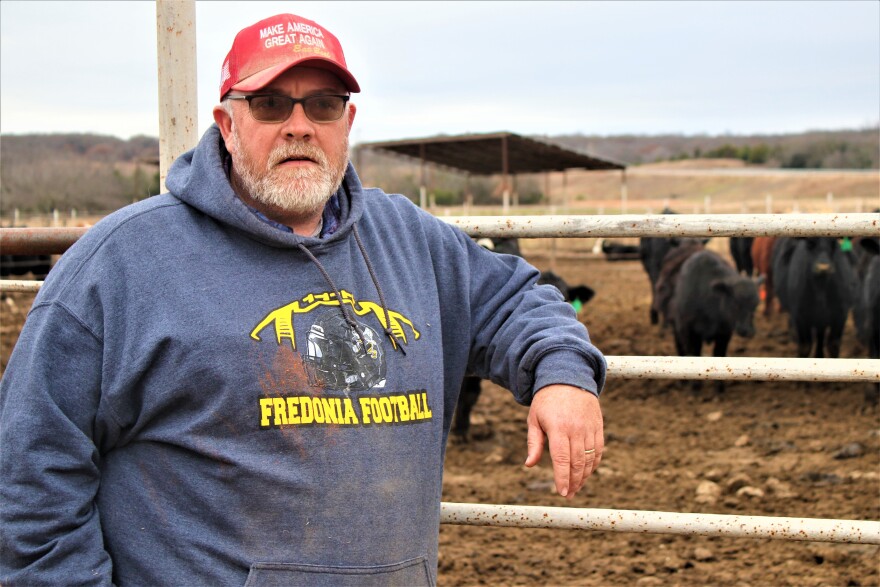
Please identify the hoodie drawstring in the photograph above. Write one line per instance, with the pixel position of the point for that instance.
(388, 331)
(349, 319)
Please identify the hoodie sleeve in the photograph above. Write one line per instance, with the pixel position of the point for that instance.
(50, 532)
(526, 336)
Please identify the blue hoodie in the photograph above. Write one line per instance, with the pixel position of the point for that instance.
(190, 403)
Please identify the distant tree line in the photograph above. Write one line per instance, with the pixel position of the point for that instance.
(40, 173)
(830, 154)
(843, 149)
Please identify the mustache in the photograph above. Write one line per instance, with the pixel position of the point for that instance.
(297, 151)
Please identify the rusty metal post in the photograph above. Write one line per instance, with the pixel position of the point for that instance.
(178, 105)
(38, 241)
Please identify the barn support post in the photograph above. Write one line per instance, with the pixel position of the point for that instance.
(515, 193)
(178, 105)
(505, 179)
(565, 199)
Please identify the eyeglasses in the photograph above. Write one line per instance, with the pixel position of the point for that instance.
(277, 108)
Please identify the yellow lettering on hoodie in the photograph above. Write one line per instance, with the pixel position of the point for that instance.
(265, 410)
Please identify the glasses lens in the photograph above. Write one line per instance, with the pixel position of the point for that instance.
(324, 108)
(271, 108)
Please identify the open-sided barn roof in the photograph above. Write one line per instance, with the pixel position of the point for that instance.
(493, 153)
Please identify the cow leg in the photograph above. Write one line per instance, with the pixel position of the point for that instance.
(820, 342)
(720, 350)
(467, 399)
(834, 335)
(768, 295)
(804, 337)
(694, 348)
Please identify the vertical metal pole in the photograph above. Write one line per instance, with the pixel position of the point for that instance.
(567, 192)
(504, 172)
(515, 193)
(178, 104)
(423, 196)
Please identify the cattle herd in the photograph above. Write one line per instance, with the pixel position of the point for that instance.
(13, 266)
(818, 282)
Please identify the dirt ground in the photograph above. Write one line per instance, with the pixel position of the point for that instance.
(768, 449)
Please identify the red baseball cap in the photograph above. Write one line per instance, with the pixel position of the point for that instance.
(265, 50)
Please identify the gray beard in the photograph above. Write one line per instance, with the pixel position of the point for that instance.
(295, 191)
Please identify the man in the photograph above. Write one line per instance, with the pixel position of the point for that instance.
(252, 378)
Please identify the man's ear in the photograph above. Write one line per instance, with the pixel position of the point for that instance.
(352, 110)
(224, 121)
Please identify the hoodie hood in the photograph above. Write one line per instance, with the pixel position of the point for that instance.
(198, 177)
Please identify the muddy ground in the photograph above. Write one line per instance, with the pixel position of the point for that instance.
(768, 449)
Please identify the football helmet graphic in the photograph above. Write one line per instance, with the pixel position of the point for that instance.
(337, 358)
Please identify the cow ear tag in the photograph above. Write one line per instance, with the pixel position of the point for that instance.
(577, 305)
(846, 244)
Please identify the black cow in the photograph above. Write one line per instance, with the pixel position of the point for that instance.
(741, 251)
(818, 288)
(780, 260)
(572, 293)
(668, 278)
(711, 302)
(867, 310)
(21, 265)
(651, 252)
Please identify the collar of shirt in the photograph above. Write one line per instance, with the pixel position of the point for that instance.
(329, 219)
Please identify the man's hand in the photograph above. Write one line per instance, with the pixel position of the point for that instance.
(572, 420)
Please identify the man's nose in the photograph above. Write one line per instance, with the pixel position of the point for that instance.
(298, 126)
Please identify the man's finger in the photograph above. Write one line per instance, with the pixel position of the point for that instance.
(561, 456)
(591, 463)
(535, 443)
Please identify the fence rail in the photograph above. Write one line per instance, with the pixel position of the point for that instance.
(669, 225)
(19, 241)
(648, 522)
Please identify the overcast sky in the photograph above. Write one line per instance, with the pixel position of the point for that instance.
(459, 67)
